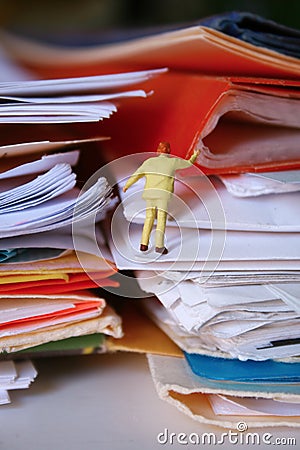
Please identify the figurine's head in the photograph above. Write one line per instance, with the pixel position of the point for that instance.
(164, 147)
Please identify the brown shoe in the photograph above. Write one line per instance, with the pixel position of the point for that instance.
(162, 250)
(143, 247)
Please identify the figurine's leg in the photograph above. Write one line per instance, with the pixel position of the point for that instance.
(160, 231)
(148, 224)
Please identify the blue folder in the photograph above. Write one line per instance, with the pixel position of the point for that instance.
(234, 370)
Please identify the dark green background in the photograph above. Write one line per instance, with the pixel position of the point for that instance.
(93, 16)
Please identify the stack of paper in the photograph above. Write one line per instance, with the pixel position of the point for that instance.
(229, 286)
(44, 300)
(82, 99)
(29, 321)
(52, 248)
(44, 282)
(38, 190)
(18, 375)
(39, 271)
(213, 296)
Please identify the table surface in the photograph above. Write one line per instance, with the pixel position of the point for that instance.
(96, 402)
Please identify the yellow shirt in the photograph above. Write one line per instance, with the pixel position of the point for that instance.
(159, 172)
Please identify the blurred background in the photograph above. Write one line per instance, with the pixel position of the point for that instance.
(57, 19)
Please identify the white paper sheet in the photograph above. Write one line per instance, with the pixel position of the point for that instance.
(239, 406)
(256, 184)
(102, 83)
(19, 375)
(41, 165)
(290, 294)
(4, 397)
(30, 148)
(74, 99)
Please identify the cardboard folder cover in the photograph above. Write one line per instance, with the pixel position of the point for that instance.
(176, 384)
(195, 48)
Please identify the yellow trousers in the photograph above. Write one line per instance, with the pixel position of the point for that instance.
(151, 213)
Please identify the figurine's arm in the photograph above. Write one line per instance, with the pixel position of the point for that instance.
(185, 163)
(194, 156)
(133, 179)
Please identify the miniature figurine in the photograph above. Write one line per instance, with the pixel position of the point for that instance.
(159, 172)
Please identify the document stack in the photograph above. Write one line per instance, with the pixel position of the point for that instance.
(45, 278)
(227, 292)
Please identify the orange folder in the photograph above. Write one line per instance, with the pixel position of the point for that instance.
(196, 111)
(240, 124)
(75, 282)
(194, 49)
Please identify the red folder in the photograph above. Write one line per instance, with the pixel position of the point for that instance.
(240, 124)
(186, 110)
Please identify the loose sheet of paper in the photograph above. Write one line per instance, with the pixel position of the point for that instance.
(45, 163)
(238, 406)
(256, 184)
